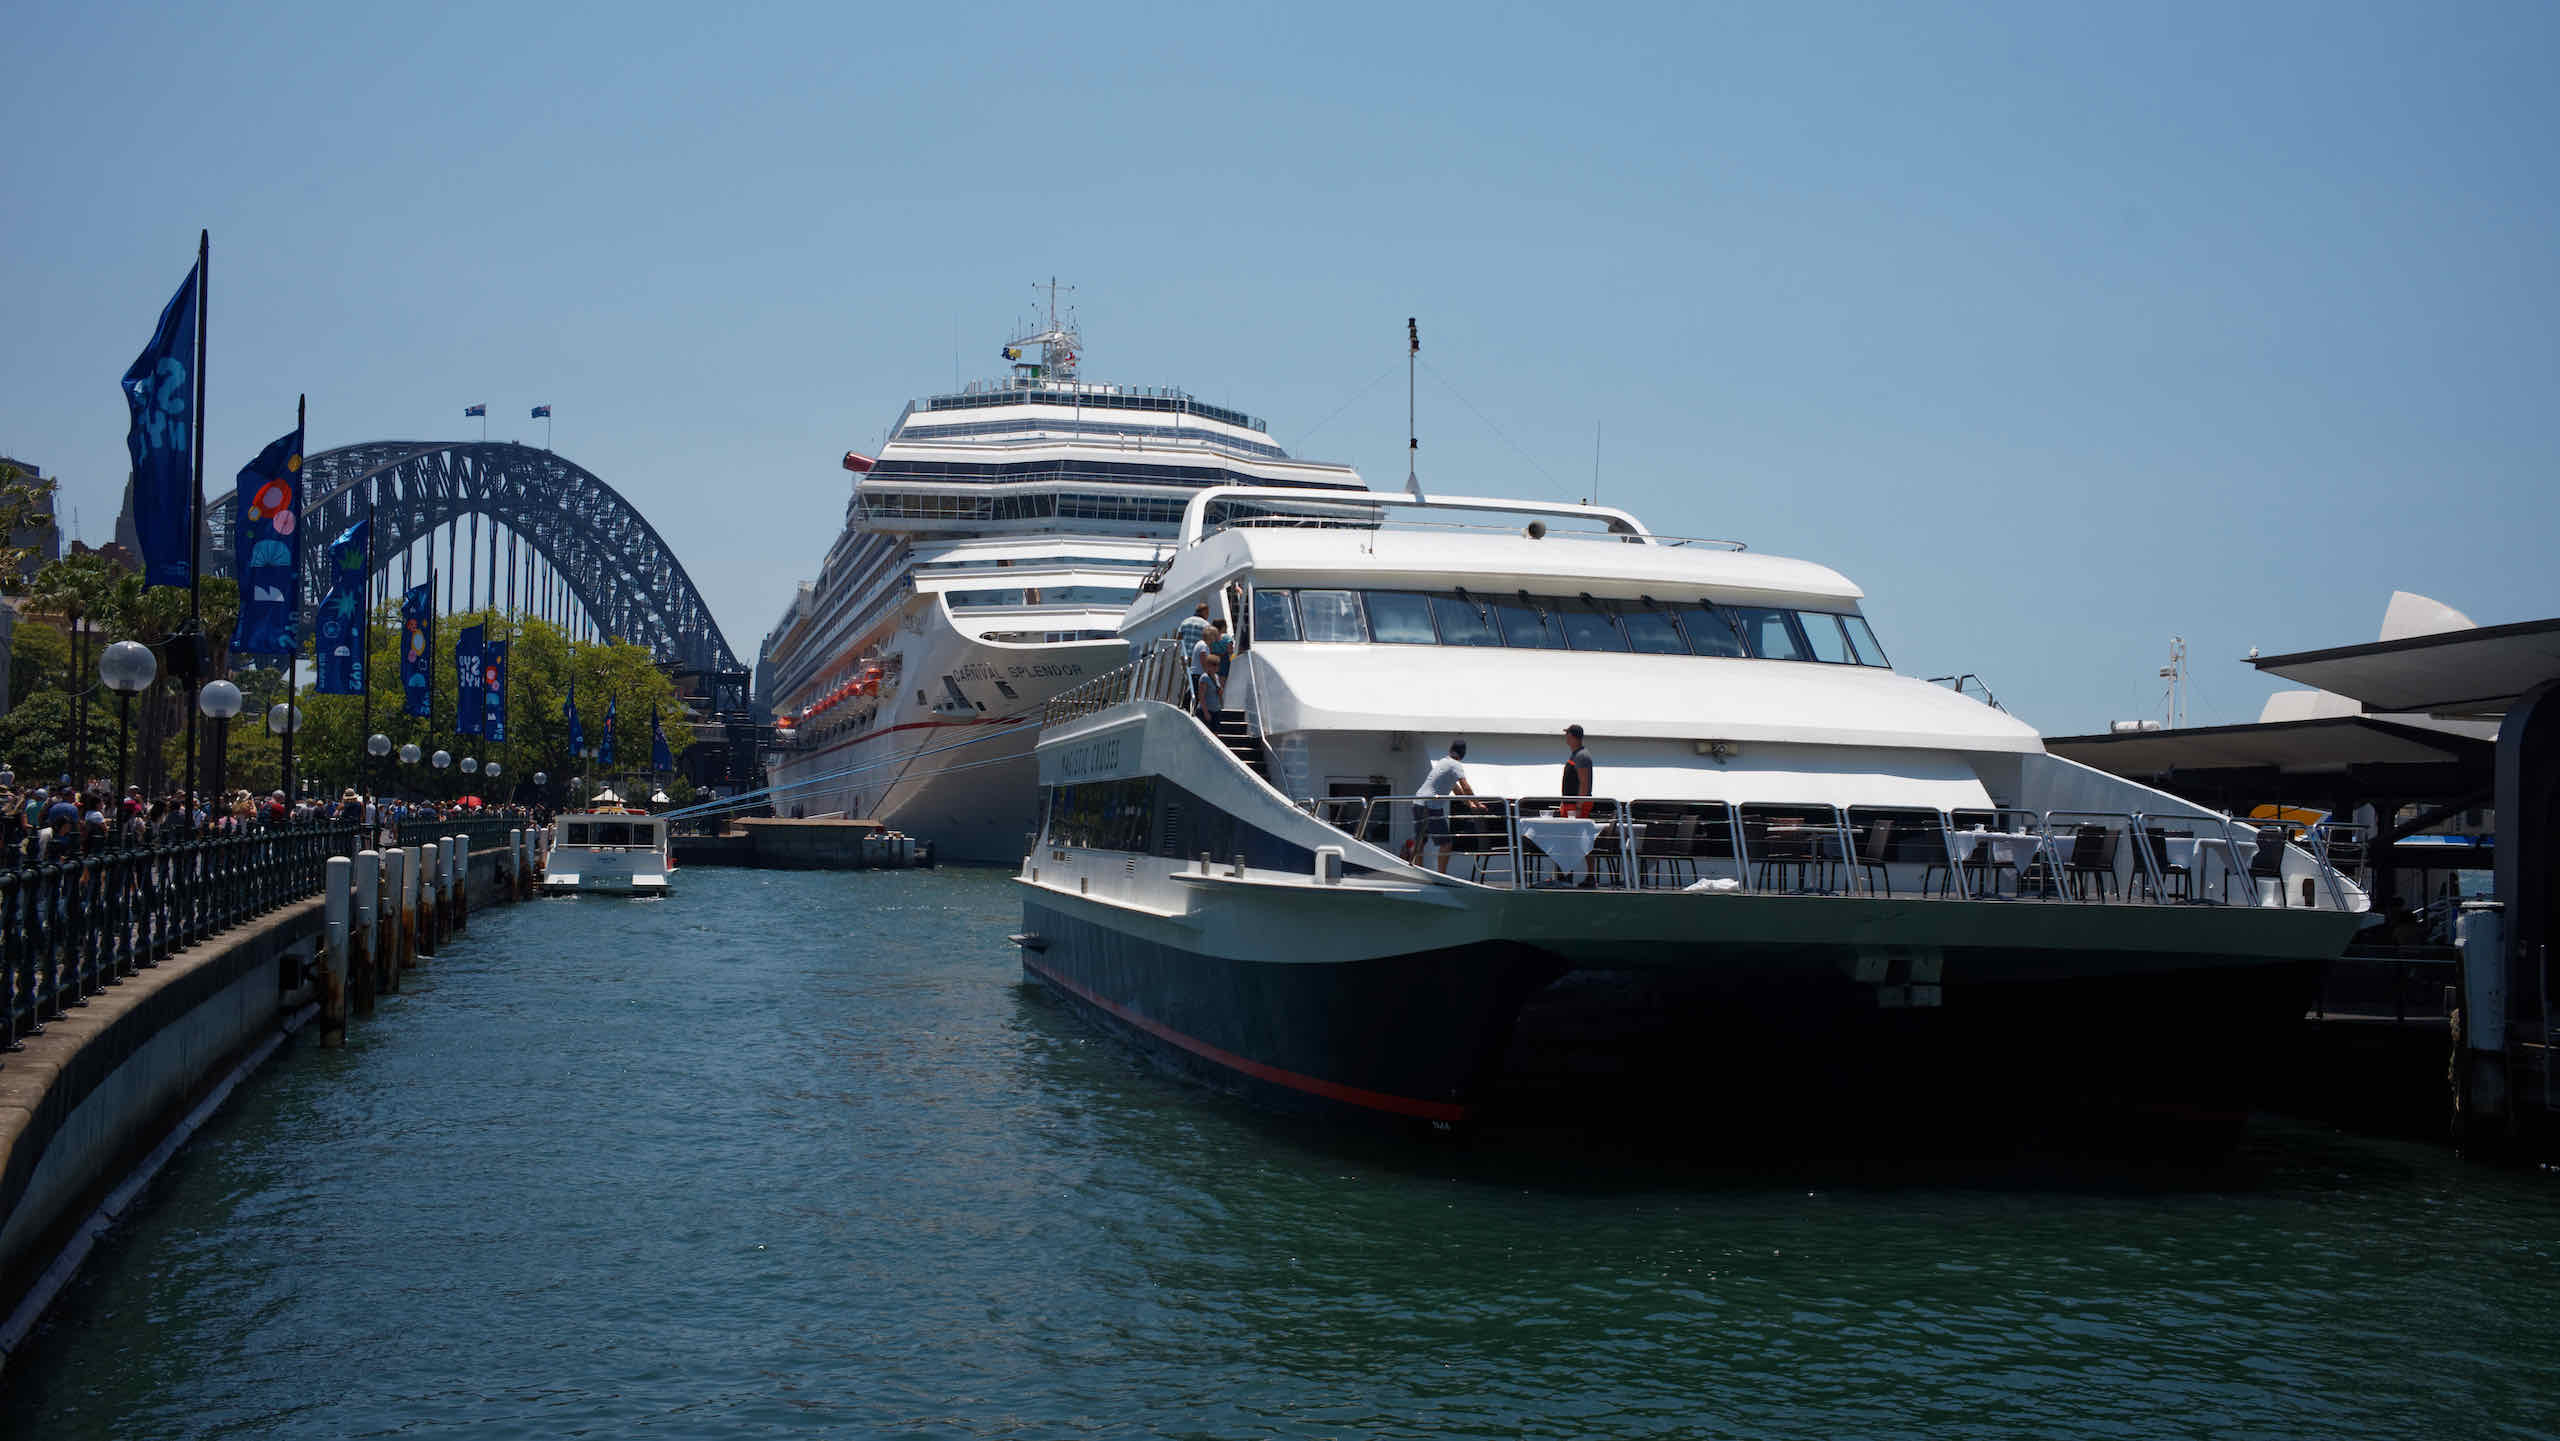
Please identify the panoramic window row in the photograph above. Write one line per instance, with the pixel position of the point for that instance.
(1094, 400)
(926, 434)
(1536, 622)
(896, 505)
(1116, 595)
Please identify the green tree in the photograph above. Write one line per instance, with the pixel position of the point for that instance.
(35, 737)
(26, 501)
(541, 661)
(39, 660)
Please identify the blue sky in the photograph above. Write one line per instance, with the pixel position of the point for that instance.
(2061, 329)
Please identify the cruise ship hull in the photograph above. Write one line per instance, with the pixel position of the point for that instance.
(963, 778)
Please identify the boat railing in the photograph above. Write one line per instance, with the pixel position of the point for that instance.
(1819, 848)
(1969, 685)
(1158, 674)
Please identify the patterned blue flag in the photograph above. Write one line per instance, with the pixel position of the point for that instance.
(470, 683)
(542, 412)
(604, 748)
(577, 732)
(660, 758)
(417, 648)
(469, 411)
(160, 389)
(493, 677)
(342, 619)
(266, 546)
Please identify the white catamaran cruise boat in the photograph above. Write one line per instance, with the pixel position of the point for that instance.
(987, 555)
(1844, 885)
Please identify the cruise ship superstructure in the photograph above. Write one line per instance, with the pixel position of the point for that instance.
(987, 555)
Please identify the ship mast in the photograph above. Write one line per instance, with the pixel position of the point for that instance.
(1058, 344)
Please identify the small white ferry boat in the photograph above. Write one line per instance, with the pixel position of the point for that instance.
(608, 850)
(1841, 887)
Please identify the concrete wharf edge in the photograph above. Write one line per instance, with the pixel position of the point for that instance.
(117, 1083)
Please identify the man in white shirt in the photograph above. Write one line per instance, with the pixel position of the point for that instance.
(1448, 778)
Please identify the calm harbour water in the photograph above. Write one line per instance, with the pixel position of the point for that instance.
(799, 1154)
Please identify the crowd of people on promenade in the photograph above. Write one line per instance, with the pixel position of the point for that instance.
(42, 823)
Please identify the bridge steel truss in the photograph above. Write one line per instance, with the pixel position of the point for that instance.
(614, 563)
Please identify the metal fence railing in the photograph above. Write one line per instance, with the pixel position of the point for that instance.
(1815, 848)
(1158, 674)
(71, 927)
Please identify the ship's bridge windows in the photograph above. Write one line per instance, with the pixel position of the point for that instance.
(1530, 622)
(1653, 632)
(1400, 617)
(1464, 621)
(574, 835)
(1863, 640)
(1275, 615)
(1770, 633)
(1711, 632)
(1332, 615)
(1588, 625)
(1528, 625)
(613, 833)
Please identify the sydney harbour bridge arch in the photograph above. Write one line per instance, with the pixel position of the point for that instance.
(576, 552)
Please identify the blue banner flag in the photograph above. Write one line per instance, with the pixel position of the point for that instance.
(469, 411)
(417, 649)
(493, 677)
(160, 388)
(470, 684)
(266, 551)
(542, 412)
(342, 619)
(660, 758)
(604, 748)
(577, 732)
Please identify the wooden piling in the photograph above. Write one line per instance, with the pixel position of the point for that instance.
(337, 896)
(361, 972)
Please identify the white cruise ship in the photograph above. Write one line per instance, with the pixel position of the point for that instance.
(987, 555)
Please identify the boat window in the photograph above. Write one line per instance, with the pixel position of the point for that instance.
(1869, 653)
(1332, 615)
(1275, 615)
(1771, 634)
(613, 833)
(1399, 617)
(576, 835)
(1590, 628)
(1463, 622)
(1528, 627)
(1042, 595)
(1710, 631)
(1652, 631)
(1822, 632)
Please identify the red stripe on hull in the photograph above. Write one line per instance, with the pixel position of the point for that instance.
(1246, 1065)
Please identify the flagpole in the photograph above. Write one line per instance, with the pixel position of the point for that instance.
(195, 523)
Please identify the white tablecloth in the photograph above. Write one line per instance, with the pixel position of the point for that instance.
(2235, 851)
(1568, 842)
(2015, 847)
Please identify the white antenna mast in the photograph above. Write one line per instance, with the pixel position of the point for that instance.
(2174, 713)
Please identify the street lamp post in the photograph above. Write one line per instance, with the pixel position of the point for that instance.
(440, 760)
(219, 700)
(376, 745)
(283, 720)
(126, 667)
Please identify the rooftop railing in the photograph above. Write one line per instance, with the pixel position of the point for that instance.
(1816, 848)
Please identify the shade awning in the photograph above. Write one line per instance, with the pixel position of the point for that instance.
(2479, 671)
(2327, 744)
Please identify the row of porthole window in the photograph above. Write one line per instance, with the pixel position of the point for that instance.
(1532, 622)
